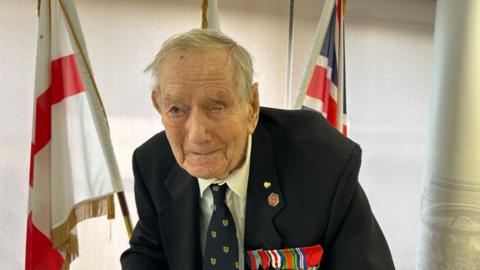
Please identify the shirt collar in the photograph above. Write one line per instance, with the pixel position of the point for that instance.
(237, 181)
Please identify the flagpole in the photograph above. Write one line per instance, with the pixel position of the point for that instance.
(126, 214)
(204, 14)
(341, 74)
(120, 194)
(288, 96)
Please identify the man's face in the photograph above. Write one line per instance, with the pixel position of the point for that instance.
(206, 123)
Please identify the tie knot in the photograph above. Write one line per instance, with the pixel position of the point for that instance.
(219, 193)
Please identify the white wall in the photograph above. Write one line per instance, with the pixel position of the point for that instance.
(389, 54)
(17, 57)
(389, 81)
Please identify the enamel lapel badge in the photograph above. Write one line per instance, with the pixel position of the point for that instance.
(273, 199)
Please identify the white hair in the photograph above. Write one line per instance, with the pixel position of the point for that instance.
(200, 40)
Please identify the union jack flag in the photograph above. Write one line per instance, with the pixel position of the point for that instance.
(326, 91)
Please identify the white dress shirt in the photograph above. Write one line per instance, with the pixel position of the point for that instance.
(236, 200)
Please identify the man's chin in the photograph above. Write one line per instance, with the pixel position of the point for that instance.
(204, 173)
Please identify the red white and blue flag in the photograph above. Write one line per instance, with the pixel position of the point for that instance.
(73, 171)
(323, 87)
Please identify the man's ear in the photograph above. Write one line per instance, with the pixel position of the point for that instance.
(155, 95)
(254, 108)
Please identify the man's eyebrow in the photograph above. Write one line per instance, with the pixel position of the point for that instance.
(168, 98)
(220, 95)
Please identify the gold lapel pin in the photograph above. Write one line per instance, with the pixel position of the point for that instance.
(267, 184)
(273, 199)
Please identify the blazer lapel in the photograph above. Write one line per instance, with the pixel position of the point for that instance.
(179, 221)
(264, 195)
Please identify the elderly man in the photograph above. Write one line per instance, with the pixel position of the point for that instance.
(230, 185)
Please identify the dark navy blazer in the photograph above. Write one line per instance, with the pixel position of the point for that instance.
(310, 165)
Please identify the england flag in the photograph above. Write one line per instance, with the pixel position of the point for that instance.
(73, 171)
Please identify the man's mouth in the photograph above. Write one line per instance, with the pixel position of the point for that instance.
(203, 153)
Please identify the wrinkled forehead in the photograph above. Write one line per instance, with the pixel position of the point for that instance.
(215, 63)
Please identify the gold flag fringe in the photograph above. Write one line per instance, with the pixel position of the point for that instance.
(70, 251)
(111, 207)
(62, 237)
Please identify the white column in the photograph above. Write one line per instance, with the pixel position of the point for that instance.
(450, 211)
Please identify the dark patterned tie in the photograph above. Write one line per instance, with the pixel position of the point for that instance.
(221, 245)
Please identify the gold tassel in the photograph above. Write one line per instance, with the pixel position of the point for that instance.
(65, 241)
(111, 207)
(70, 249)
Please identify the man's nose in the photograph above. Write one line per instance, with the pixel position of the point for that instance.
(198, 127)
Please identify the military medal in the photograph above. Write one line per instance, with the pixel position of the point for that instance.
(288, 258)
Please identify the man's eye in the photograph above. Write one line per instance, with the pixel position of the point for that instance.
(176, 111)
(217, 109)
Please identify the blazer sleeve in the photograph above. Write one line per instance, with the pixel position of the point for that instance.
(146, 251)
(354, 239)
